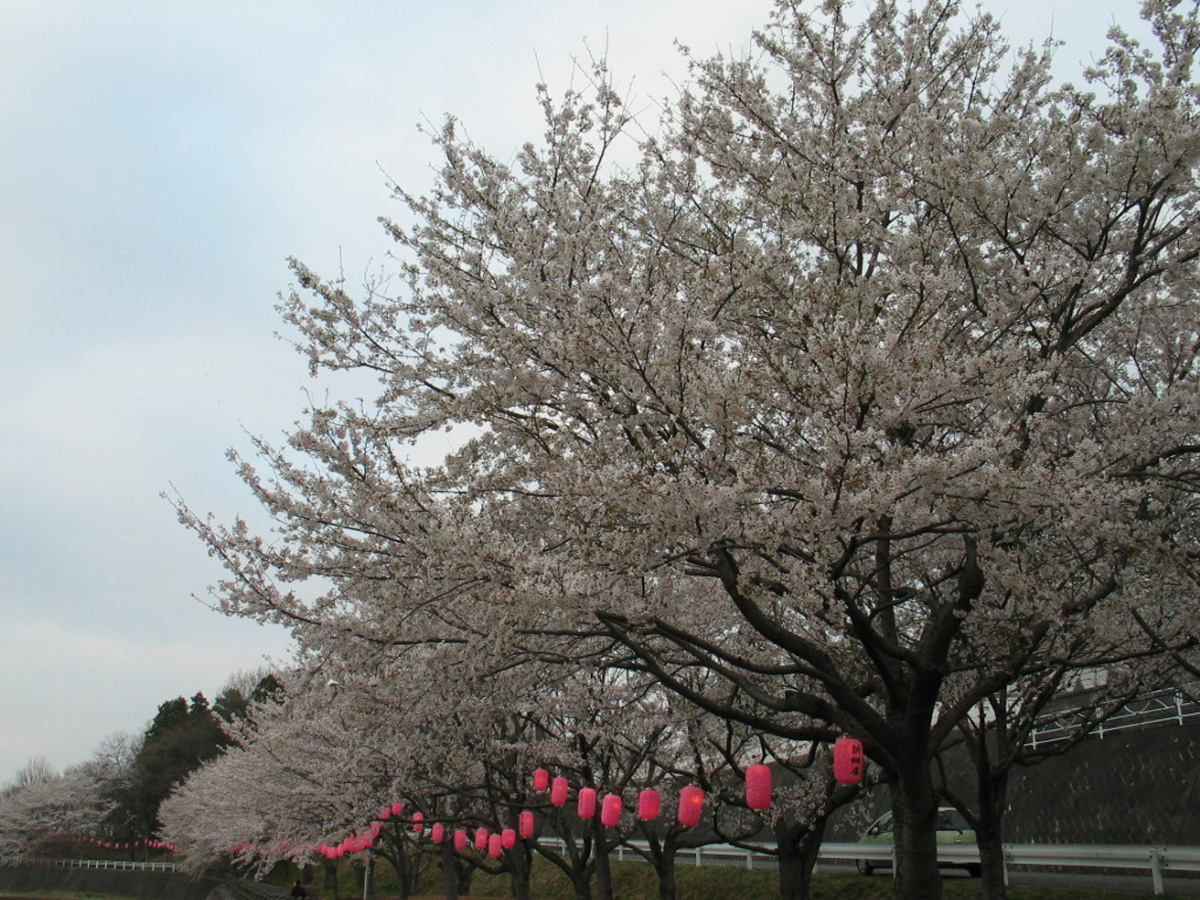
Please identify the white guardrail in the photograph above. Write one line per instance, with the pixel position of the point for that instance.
(1153, 859)
(122, 864)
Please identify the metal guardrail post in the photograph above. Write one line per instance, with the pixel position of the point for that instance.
(1156, 875)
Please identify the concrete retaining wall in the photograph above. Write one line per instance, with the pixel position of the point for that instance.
(1140, 786)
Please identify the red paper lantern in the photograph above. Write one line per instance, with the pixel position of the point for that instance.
(525, 824)
(691, 805)
(848, 760)
(649, 803)
(481, 838)
(559, 790)
(418, 823)
(460, 839)
(385, 813)
(438, 833)
(586, 804)
(397, 808)
(508, 838)
(610, 811)
(541, 779)
(494, 847)
(758, 786)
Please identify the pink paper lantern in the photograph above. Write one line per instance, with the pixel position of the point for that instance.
(481, 838)
(559, 791)
(649, 803)
(586, 804)
(494, 846)
(691, 805)
(508, 838)
(525, 824)
(397, 808)
(460, 839)
(418, 823)
(758, 786)
(438, 833)
(610, 811)
(848, 760)
(385, 813)
(541, 779)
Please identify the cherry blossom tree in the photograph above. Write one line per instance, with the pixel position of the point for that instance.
(860, 384)
(49, 812)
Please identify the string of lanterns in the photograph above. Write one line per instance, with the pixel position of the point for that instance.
(127, 845)
(848, 764)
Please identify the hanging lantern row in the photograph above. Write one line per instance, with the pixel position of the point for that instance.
(649, 805)
(848, 766)
(611, 805)
(130, 845)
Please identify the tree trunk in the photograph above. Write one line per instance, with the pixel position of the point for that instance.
(603, 867)
(989, 833)
(404, 870)
(449, 860)
(581, 884)
(519, 866)
(664, 867)
(914, 810)
(991, 862)
(799, 846)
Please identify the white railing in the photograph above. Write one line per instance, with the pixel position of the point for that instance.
(1167, 707)
(1156, 860)
(122, 864)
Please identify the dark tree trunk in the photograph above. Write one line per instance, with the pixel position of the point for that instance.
(581, 884)
(798, 845)
(406, 874)
(914, 810)
(449, 862)
(664, 867)
(989, 833)
(603, 865)
(519, 867)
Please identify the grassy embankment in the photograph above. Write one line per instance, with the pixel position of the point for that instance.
(635, 881)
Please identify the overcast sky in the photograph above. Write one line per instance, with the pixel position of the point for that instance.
(159, 160)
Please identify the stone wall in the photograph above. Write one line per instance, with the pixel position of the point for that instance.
(1140, 786)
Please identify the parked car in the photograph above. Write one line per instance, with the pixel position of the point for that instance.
(952, 828)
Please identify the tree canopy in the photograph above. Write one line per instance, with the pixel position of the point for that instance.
(858, 389)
